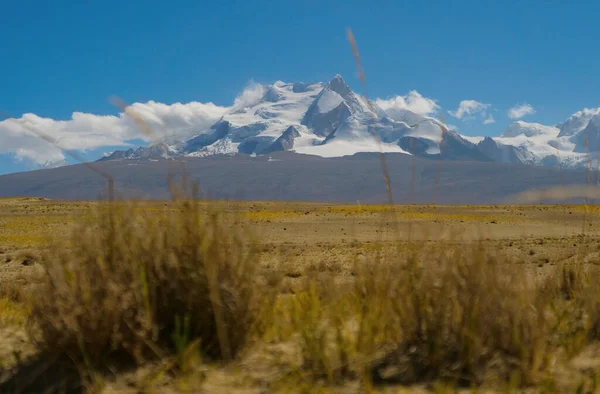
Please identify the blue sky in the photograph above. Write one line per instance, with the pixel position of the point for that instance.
(62, 57)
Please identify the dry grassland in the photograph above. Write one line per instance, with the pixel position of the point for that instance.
(297, 297)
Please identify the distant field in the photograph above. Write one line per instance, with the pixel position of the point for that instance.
(314, 229)
(295, 239)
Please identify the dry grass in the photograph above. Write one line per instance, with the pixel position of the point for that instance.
(468, 318)
(13, 309)
(458, 316)
(464, 316)
(181, 284)
(12, 313)
(126, 286)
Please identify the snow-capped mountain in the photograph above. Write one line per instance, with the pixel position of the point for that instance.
(577, 122)
(570, 144)
(331, 120)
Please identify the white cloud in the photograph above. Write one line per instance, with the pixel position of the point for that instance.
(86, 131)
(519, 111)
(250, 96)
(489, 120)
(467, 109)
(413, 101)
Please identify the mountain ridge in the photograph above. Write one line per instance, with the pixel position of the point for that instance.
(331, 120)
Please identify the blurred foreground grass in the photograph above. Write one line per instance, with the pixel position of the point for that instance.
(297, 297)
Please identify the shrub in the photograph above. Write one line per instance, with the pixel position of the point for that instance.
(460, 312)
(131, 284)
(460, 315)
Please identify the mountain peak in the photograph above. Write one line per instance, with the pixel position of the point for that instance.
(595, 120)
(528, 130)
(577, 122)
(338, 85)
(330, 119)
(274, 93)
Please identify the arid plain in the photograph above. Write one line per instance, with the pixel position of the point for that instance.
(298, 242)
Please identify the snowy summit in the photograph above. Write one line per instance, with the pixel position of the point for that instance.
(331, 120)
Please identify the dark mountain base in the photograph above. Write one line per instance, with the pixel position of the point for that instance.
(289, 176)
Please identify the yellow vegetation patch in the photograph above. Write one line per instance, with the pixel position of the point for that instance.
(397, 212)
(593, 209)
(273, 214)
(23, 240)
(12, 313)
(359, 209)
(23, 231)
(445, 216)
(346, 210)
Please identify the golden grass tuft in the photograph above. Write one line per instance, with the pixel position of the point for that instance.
(133, 286)
(464, 316)
(12, 313)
